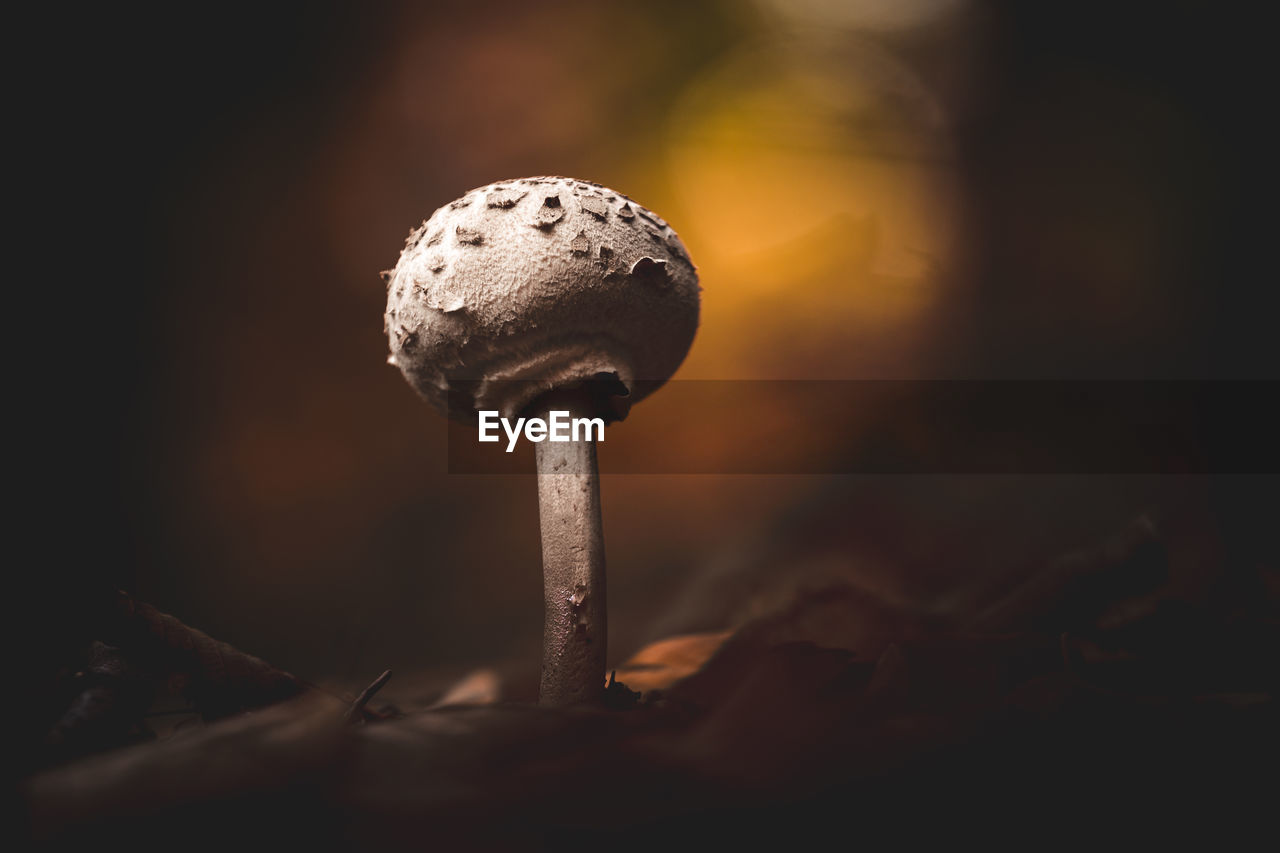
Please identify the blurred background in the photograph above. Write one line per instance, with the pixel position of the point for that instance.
(871, 189)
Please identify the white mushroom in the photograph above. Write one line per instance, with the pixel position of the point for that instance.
(543, 294)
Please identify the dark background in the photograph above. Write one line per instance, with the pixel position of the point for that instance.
(208, 195)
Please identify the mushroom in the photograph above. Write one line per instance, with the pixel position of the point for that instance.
(537, 295)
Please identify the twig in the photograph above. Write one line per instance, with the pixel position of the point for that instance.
(356, 711)
(224, 680)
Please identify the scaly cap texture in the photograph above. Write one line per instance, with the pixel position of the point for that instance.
(524, 286)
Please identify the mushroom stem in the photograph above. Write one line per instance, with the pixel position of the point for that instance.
(574, 633)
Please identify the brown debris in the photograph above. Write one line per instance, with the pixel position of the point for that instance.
(835, 705)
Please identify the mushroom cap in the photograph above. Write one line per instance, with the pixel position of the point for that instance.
(527, 286)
